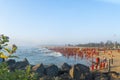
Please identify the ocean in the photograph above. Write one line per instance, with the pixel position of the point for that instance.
(37, 55)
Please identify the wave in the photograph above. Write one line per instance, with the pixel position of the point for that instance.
(44, 50)
(54, 54)
(48, 52)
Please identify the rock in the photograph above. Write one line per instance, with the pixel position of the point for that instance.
(11, 64)
(102, 77)
(21, 64)
(39, 68)
(64, 76)
(80, 72)
(52, 70)
(65, 67)
(26, 61)
(46, 78)
(105, 76)
(114, 75)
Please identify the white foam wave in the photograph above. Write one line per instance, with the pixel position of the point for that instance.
(48, 52)
(54, 54)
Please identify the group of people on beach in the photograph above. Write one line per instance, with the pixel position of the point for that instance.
(88, 53)
(103, 63)
(75, 51)
(99, 64)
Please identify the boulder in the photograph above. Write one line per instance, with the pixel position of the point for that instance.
(65, 67)
(51, 70)
(114, 75)
(21, 64)
(64, 76)
(102, 77)
(46, 78)
(11, 64)
(39, 68)
(80, 72)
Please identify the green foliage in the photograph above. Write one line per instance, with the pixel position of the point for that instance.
(4, 48)
(11, 51)
(5, 74)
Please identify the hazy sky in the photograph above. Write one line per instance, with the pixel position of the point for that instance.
(60, 21)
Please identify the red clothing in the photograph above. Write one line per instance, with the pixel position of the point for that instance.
(92, 67)
(97, 60)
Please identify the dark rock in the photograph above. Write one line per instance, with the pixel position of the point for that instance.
(80, 72)
(114, 75)
(61, 72)
(52, 70)
(64, 76)
(11, 64)
(26, 61)
(65, 67)
(21, 64)
(46, 78)
(105, 75)
(39, 68)
(102, 77)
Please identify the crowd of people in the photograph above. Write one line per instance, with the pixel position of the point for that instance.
(99, 64)
(89, 53)
(103, 62)
(74, 51)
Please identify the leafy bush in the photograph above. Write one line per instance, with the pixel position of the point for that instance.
(5, 74)
(4, 47)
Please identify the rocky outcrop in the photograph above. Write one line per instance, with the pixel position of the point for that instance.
(66, 72)
(80, 72)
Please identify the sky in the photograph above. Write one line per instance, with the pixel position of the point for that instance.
(60, 21)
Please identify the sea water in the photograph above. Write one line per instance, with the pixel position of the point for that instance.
(37, 55)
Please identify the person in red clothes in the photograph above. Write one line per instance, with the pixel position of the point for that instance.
(92, 67)
(97, 60)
